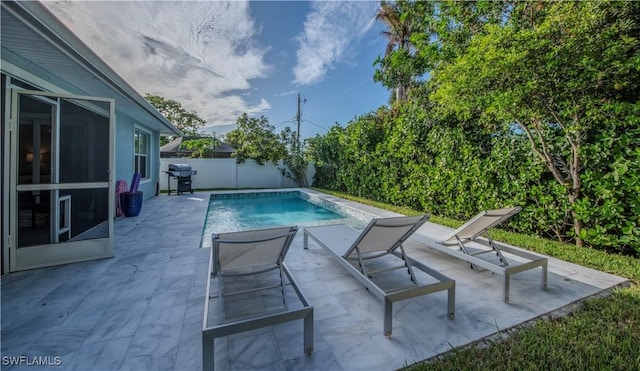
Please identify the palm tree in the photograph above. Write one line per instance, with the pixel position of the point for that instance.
(398, 34)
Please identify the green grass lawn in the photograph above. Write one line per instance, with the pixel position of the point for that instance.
(603, 333)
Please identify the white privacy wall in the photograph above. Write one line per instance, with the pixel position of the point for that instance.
(227, 173)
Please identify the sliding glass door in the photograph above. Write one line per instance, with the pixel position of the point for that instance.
(61, 184)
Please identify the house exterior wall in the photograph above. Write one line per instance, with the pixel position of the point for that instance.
(154, 186)
(124, 152)
(124, 148)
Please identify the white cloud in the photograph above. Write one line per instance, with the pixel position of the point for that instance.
(202, 54)
(287, 93)
(330, 29)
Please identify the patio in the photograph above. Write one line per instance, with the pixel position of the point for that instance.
(143, 309)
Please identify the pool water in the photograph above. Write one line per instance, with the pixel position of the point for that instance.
(255, 211)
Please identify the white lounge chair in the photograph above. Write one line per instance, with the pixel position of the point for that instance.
(252, 253)
(472, 239)
(381, 237)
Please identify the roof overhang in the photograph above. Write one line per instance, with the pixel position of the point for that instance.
(35, 43)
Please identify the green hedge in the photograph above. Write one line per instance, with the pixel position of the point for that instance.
(406, 157)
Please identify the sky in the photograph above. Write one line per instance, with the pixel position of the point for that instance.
(221, 59)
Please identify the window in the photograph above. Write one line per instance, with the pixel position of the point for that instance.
(141, 153)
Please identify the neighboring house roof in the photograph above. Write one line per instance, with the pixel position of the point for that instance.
(35, 41)
(174, 146)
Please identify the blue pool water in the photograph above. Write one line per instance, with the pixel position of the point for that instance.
(253, 211)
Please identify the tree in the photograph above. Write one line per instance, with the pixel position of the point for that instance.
(188, 122)
(202, 147)
(327, 152)
(567, 72)
(254, 138)
(295, 162)
(399, 66)
(452, 24)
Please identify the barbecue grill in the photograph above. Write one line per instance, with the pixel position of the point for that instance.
(184, 174)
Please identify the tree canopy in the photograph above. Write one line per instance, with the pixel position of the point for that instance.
(523, 103)
(400, 66)
(187, 121)
(202, 147)
(558, 79)
(254, 138)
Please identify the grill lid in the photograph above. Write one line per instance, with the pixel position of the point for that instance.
(179, 167)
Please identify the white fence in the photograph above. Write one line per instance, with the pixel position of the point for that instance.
(227, 173)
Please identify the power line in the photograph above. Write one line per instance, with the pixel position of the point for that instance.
(289, 121)
(316, 125)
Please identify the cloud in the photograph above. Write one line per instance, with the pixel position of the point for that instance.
(330, 29)
(202, 54)
(287, 93)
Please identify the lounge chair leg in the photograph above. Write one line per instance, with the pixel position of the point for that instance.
(308, 333)
(306, 240)
(544, 276)
(388, 314)
(207, 352)
(506, 286)
(451, 301)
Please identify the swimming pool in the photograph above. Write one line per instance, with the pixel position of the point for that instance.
(232, 212)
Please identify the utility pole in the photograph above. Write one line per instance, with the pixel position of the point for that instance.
(298, 118)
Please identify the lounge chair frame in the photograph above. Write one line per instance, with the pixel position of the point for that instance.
(363, 275)
(226, 328)
(471, 232)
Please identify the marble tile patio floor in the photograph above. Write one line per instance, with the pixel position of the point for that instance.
(143, 309)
